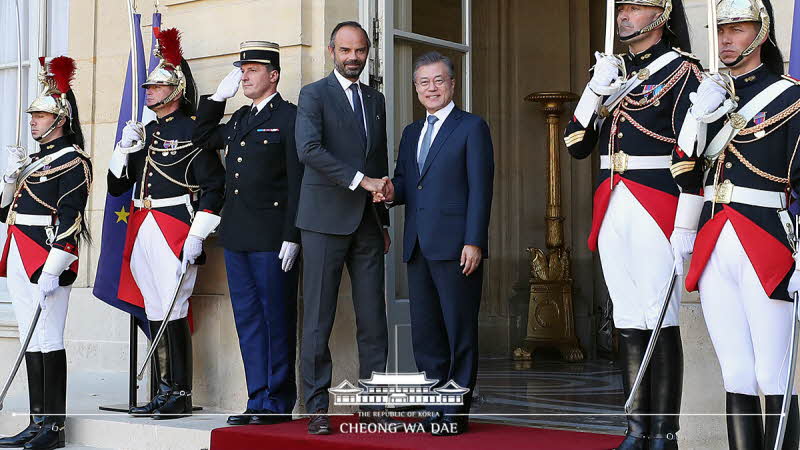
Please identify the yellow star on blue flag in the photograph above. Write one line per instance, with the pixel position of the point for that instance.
(122, 215)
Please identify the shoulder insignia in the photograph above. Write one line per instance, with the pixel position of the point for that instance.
(193, 117)
(793, 80)
(691, 56)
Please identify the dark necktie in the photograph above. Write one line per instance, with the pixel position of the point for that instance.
(248, 119)
(359, 113)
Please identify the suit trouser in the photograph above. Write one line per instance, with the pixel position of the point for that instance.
(444, 322)
(749, 330)
(324, 256)
(264, 300)
(48, 336)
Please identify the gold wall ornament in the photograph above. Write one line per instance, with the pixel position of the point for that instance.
(551, 321)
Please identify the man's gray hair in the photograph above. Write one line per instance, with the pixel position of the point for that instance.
(433, 58)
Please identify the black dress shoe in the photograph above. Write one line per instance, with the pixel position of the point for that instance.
(319, 423)
(450, 426)
(267, 417)
(427, 423)
(241, 419)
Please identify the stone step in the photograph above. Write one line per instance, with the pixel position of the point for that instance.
(88, 427)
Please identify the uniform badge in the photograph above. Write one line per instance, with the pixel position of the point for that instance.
(268, 130)
(652, 90)
(170, 144)
(760, 118)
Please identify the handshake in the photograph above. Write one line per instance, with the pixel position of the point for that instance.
(382, 189)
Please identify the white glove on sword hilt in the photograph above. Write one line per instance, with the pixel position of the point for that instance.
(16, 159)
(608, 77)
(133, 137)
(713, 99)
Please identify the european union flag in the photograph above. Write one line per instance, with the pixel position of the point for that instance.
(794, 71)
(117, 209)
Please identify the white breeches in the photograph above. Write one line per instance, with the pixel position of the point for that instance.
(156, 270)
(637, 263)
(48, 336)
(750, 331)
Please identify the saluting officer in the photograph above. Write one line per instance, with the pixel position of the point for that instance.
(43, 201)
(634, 107)
(178, 193)
(742, 261)
(261, 242)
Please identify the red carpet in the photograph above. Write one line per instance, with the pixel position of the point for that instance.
(292, 435)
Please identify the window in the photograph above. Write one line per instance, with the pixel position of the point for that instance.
(54, 18)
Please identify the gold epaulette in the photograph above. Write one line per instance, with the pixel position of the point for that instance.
(686, 54)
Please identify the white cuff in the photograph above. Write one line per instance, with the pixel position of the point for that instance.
(687, 138)
(689, 208)
(118, 162)
(214, 98)
(8, 194)
(356, 181)
(203, 224)
(58, 261)
(587, 107)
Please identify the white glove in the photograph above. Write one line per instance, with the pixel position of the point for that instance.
(132, 139)
(228, 86)
(16, 159)
(682, 241)
(192, 249)
(288, 254)
(48, 283)
(710, 102)
(606, 79)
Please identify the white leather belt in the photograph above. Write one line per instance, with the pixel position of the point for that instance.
(730, 193)
(620, 162)
(150, 203)
(33, 220)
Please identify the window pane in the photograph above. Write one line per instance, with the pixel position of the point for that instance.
(425, 17)
(8, 23)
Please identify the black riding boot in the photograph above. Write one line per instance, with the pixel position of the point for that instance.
(632, 345)
(160, 361)
(35, 366)
(55, 403)
(666, 384)
(745, 424)
(179, 401)
(791, 439)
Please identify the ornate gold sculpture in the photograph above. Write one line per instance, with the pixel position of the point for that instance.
(550, 317)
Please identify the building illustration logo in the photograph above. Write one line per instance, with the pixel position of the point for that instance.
(398, 389)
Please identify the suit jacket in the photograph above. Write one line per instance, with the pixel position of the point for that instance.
(262, 176)
(449, 202)
(329, 145)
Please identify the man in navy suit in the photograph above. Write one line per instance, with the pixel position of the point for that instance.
(444, 177)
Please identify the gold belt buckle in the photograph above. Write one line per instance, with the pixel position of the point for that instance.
(148, 204)
(724, 192)
(619, 162)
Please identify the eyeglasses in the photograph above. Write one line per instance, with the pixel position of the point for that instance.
(424, 83)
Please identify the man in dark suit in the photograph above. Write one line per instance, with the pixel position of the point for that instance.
(261, 242)
(341, 140)
(444, 176)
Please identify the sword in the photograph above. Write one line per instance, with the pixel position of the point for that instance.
(134, 68)
(713, 50)
(162, 328)
(20, 355)
(787, 394)
(652, 344)
(19, 77)
(611, 25)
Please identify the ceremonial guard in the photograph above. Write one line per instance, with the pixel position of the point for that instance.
(634, 107)
(742, 261)
(258, 233)
(178, 191)
(43, 201)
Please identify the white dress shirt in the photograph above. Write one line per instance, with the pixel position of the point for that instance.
(263, 103)
(442, 116)
(346, 86)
